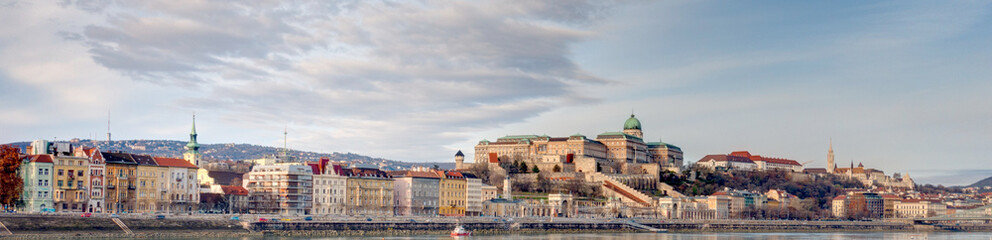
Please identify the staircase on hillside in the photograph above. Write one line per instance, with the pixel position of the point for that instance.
(122, 225)
(617, 188)
(4, 230)
(669, 190)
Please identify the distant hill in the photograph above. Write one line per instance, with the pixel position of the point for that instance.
(236, 152)
(983, 183)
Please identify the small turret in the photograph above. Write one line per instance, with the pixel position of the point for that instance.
(459, 160)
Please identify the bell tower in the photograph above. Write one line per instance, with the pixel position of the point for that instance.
(830, 158)
(192, 154)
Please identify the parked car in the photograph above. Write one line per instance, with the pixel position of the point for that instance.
(368, 219)
(308, 219)
(274, 220)
(287, 219)
(87, 215)
(114, 215)
(160, 217)
(235, 218)
(263, 220)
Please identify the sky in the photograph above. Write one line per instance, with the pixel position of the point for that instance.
(901, 86)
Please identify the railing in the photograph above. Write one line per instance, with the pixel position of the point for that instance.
(621, 189)
(4, 230)
(122, 225)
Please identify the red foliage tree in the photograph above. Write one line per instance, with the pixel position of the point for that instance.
(10, 182)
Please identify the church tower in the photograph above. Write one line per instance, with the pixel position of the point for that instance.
(633, 127)
(192, 154)
(830, 158)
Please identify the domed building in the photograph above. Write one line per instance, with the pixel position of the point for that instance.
(617, 152)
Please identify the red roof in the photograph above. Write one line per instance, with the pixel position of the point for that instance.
(841, 197)
(725, 158)
(757, 158)
(173, 162)
(234, 190)
(414, 174)
(721, 193)
(43, 158)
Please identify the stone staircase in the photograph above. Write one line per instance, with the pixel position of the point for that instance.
(664, 187)
(122, 225)
(4, 230)
(616, 188)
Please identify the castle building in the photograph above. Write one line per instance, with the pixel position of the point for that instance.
(611, 149)
(868, 176)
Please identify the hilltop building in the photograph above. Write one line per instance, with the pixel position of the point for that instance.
(622, 163)
(744, 160)
(868, 176)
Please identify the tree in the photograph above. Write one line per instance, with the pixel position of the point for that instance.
(556, 169)
(10, 182)
(535, 169)
(523, 167)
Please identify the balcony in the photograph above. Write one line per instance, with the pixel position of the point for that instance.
(110, 187)
(131, 187)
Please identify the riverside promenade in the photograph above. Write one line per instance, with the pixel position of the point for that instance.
(55, 225)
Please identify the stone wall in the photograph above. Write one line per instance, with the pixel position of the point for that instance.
(33, 224)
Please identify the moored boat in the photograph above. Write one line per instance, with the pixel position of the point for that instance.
(460, 232)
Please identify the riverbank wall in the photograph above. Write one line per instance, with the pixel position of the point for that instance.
(33, 226)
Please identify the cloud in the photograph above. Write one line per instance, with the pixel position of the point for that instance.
(358, 75)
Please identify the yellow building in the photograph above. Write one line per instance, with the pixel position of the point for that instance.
(70, 179)
(369, 192)
(147, 175)
(452, 194)
(120, 179)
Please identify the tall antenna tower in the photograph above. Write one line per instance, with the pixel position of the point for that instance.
(285, 141)
(108, 126)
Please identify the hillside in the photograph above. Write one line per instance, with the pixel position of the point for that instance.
(236, 152)
(982, 183)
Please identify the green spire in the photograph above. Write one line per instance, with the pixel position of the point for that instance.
(192, 146)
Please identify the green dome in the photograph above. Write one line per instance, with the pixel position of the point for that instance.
(632, 123)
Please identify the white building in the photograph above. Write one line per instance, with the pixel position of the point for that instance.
(473, 195)
(727, 162)
(329, 188)
(917, 208)
(838, 206)
(282, 188)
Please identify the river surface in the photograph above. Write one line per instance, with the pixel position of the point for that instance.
(688, 236)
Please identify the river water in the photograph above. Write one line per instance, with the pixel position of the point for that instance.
(691, 236)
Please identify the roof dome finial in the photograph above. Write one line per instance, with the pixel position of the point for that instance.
(632, 123)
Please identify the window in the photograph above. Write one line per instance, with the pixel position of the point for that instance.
(60, 183)
(60, 172)
(80, 173)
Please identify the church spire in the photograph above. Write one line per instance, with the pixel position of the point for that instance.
(831, 167)
(193, 146)
(192, 154)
